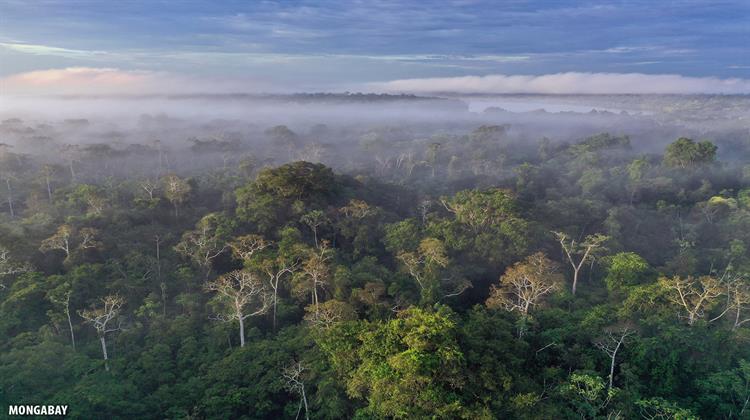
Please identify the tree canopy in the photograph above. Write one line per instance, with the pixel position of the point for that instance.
(475, 275)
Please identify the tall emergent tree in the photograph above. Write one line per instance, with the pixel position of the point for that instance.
(275, 269)
(314, 275)
(60, 296)
(424, 265)
(10, 267)
(205, 243)
(101, 317)
(578, 253)
(242, 295)
(524, 284)
(694, 295)
(294, 382)
(686, 153)
(611, 344)
(61, 240)
(177, 191)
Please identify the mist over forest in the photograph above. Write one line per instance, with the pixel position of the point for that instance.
(348, 132)
(346, 255)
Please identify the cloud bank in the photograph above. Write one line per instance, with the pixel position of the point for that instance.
(108, 81)
(569, 83)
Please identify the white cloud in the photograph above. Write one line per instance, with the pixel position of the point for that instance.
(627, 49)
(430, 58)
(569, 83)
(35, 49)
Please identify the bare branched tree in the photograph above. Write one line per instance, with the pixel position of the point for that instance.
(329, 313)
(48, 172)
(9, 178)
(578, 253)
(243, 295)
(101, 317)
(611, 344)
(314, 220)
(245, 247)
(63, 300)
(523, 285)
(72, 153)
(694, 295)
(10, 267)
(357, 209)
(95, 203)
(275, 269)
(414, 265)
(176, 190)
(458, 285)
(88, 238)
(294, 382)
(68, 239)
(739, 292)
(61, 240)
(202, 245)
(316, 271)
(149, 186)
(429, 256)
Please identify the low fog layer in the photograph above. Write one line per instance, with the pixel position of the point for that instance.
(125, 134)
(572, 83)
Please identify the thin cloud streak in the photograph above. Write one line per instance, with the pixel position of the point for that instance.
(252, 55)
(35, 49)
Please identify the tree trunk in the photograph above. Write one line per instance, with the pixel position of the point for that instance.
(158, 258)
(275, 294)
(49, 189)
(737, 317)
(304, 398)
(72, 172)
(242, 331)
(159, 170)
(10, 198)
(315, 297)
(163, 287)
(104, 352)
(575, 280)
(299, 409)
(70, 324)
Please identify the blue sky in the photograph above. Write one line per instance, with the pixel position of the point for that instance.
(337, 44)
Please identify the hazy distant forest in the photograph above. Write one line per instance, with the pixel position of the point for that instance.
(373, 256)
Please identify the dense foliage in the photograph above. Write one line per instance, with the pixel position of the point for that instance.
(438, 287)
